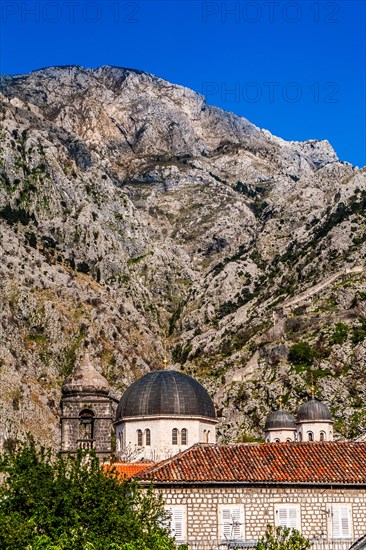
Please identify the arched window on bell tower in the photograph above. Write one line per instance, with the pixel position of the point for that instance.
(86, 429)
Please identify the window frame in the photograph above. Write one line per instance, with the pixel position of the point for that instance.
(175, 434)
(234, 529)
(178, 514)
(341, 506)
(147, 437)
(184, 436)
(140, 440)
(289, 522)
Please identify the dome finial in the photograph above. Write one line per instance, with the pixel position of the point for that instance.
(165, 360)
(312, 385)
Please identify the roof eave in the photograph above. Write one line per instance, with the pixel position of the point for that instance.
(300, 484)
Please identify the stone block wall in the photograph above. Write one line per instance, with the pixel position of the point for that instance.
(71, 429)
(202, 509)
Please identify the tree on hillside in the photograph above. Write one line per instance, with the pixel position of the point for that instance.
(282, 538)
(70, 503)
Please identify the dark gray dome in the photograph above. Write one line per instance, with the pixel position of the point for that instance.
(313, 410)
(166, 392)
(280, 419)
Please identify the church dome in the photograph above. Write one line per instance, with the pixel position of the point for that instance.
(280, 420)
(166, 392)
(85, 379)
(313, 410)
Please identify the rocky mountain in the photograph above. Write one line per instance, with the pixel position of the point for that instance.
(133, 213)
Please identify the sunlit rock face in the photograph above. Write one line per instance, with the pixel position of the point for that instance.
(132, 212)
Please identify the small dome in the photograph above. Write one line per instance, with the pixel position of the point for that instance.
(313, 410)
(280, 420)
(85, 379)
(166, 392)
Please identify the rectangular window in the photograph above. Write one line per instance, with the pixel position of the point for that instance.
(177, 522)
(341, 527)
(231, 522)
(288, 515)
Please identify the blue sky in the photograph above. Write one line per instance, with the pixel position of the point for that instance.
(296, 68)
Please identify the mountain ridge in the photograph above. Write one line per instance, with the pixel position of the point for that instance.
(131, 212)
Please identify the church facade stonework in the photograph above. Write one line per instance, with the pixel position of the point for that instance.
(87, 411)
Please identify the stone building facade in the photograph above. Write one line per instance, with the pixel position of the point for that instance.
(87, 411)
(221, 494)
(214, 514)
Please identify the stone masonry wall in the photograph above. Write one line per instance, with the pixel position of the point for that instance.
(71, 430)
(202, 507)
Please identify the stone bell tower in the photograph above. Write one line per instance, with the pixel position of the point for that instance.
(87, 410)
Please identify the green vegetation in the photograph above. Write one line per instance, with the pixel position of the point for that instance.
(137, 259)
(244, 189)
(70, 503)
(301, 354)
(359, 332)
(15, 215)
(339, 333)
(282, 538)
(83, 267)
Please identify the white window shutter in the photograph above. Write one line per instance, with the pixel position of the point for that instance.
(288, 516)
(336, 524)
(177, 523)
(341, 522)
(226, 523)
(292, 518)
(345, 522)
(232, 522)
(282, 517)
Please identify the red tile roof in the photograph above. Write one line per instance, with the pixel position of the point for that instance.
(258, 463)
(127, 469)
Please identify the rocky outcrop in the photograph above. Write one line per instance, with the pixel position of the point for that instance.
(132, 212)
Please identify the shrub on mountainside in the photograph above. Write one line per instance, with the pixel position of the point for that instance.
(301, 354)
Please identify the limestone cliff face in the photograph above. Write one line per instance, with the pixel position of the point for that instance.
(131, 211)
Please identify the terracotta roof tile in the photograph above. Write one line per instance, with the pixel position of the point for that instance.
(324, 462)
(127, 469)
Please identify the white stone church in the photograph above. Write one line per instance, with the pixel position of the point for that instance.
(162, 414)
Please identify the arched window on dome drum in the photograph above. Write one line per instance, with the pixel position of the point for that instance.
(174, 436)
(310, 436)
(184, 437)
(276, 440)
(288, 440)
(139, 438)
(322, 436)
(147, 437)
(300, 436)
